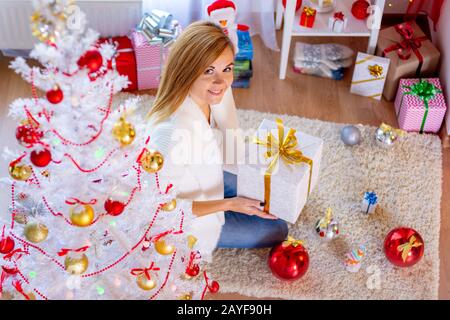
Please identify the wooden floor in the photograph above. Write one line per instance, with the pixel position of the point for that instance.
(306, 96)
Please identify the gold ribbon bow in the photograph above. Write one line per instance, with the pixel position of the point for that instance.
(376, 70)
(327, 220)
(405, 248)
(387, 128)
(309, 11)
(290, 241)
(285, 148)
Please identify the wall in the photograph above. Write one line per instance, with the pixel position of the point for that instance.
(442, 42)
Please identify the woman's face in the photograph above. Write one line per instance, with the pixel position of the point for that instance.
(210, 87)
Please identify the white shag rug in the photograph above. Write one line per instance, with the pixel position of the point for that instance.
(407, 179)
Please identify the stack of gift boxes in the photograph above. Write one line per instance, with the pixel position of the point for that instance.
(243, 69)
(141, 55)
(404, 71)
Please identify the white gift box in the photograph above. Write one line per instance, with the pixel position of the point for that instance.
(369, 75)
(288, 183)
(337, 25)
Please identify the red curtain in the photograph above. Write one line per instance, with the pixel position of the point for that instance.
(432, 8)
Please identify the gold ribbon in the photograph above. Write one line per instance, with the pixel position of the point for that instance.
(290, 241)
(327, 220)
(376, 70)
(406, 247)
(285, 148)
(309, 11)
(387, 128)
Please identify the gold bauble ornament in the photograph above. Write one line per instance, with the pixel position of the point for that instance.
(6, 295)
(152, 161)
(36, 232)
(82, 215)
(76, 263)
(20, 172)
(163, 248)
(31, 296)
(124, 132)
(186, 296)
(191, 241)
(170, 206)
(45, 173)
(21, 218)
(144, 283)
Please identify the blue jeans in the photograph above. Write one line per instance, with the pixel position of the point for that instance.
(244, 231)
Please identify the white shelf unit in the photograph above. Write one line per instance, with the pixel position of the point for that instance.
(292, 27)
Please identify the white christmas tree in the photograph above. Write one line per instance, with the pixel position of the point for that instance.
(88, 218)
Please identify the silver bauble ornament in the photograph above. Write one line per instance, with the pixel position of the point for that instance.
(350, 135)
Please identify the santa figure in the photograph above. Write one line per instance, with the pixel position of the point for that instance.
(223, 13)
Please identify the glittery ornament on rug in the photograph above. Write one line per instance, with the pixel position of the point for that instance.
(327, 228)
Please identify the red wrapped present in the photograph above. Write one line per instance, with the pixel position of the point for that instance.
(308, 17)
(124, 61)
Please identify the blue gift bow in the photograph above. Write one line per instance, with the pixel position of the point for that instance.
(371, 198)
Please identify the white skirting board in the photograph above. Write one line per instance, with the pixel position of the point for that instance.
(108, 17)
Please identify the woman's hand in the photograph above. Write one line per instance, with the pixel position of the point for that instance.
(248, 206)
(242, 205)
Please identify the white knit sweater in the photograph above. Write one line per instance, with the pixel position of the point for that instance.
(193, 160)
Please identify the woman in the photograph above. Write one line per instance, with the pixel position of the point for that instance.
(194, 103)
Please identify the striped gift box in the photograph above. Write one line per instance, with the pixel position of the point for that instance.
(369, 75)
(150, 59)
(411, 111)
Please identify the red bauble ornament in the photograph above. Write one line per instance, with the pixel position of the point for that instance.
(113, 207)
(214, 287)
(359, 9)
(297, 6)
(40, 158)
(193, 270)
(6, 245)
(288, 261)
(28, 135)
(92, 59)
(55, 95)
(404, 247)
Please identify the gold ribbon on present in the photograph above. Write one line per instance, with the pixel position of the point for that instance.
(309, 11)
(290, 241)
(405, 248)
(285, 147)
(376, 70)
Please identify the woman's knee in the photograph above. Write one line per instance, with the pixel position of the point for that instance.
(276, 232)
(283, 229)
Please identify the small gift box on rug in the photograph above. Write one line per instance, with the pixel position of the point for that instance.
(338, 22)
(124, 60)
(411, 53)
(369, 202)
(420, 105)
(155, 33)
(282, 167)
(369, 75)
(308, 17)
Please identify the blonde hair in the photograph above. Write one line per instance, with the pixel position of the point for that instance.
(198, 46)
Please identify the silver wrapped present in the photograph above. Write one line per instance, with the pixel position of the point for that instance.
(281, 168)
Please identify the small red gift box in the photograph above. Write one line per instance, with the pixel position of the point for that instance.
(308, 17)
(124, 61)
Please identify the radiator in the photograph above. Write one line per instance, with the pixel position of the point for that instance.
(108, 17)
